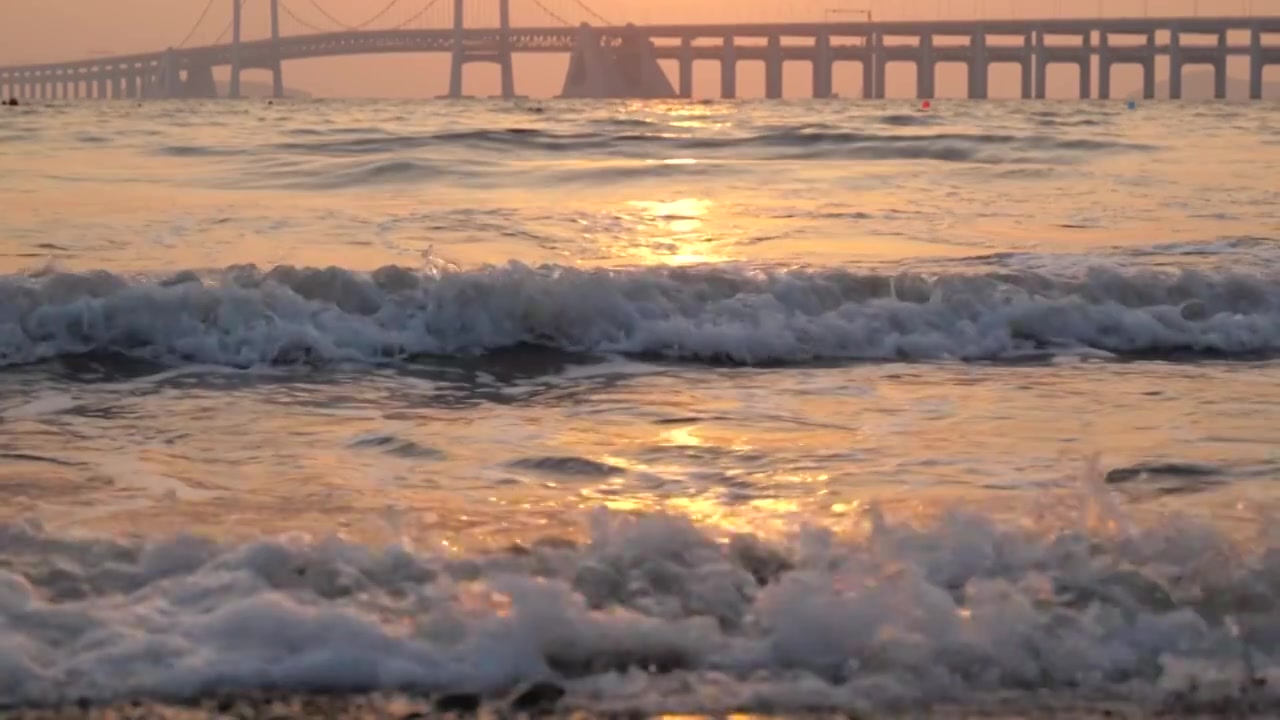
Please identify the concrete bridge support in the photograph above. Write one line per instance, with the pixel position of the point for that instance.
(169, 77)
(979, 70)
(1149, 69)
(1175, 66)
(822, 66)
(628, 70)
(1086, 68)
(728, 69)
(1104, 67)
(1257, 63)
(277, 70)
(1028, 66)
(686, 68)
(1220, 69)
(199, 83)
(234, 90)
(926, 69)
(879, 64)
(869, 70)
(773, 69)
(461, 55)
(1042, 67)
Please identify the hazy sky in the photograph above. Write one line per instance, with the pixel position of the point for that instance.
(44, 30)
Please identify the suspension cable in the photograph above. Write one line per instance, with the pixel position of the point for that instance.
(320, 9)
(227, 30)
(304, 23)
(560, 19)
(358, 26)
(592, 12)
(191, 33)
(414, 18)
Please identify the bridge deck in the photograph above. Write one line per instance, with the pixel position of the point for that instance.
(560, 39)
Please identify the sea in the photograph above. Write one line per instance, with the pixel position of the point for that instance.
(642, 407)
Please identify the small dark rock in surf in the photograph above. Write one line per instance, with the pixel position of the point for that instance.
(458, 703)
(539, 697)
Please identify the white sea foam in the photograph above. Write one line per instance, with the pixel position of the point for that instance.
(655, 614)
(245, 317)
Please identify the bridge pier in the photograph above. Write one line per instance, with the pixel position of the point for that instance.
(1042, 67)
(686, 68)
(1104, 67)
(773, 69)
(1027, 64)
(169, 83)
(236, 64)
(131, 84)
(277, 69)
(1149, 69)
(979, 71)
(1256, 64)
(822, 66)
(728, 69)
(461, 55)
(199, 83)
(459, 50)
(869, 59)
(926, 67)
(1220, 69)
(1086, 67)
(1175, 65)
(879, 64)
(628, 69)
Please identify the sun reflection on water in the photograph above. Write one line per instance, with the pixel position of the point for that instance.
(673, 232)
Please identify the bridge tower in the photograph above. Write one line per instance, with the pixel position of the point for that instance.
(277, 72)
(462, 54)
(234, 91)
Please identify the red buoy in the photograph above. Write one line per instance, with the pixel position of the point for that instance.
(926, 105)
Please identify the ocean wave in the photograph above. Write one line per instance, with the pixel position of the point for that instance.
(654, 614)
(244, 316)
(833, 141)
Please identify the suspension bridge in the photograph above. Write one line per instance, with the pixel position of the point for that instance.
(611, 59)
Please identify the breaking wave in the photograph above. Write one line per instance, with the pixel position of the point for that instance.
(654, 614)
(825, 141)
(244, 316)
